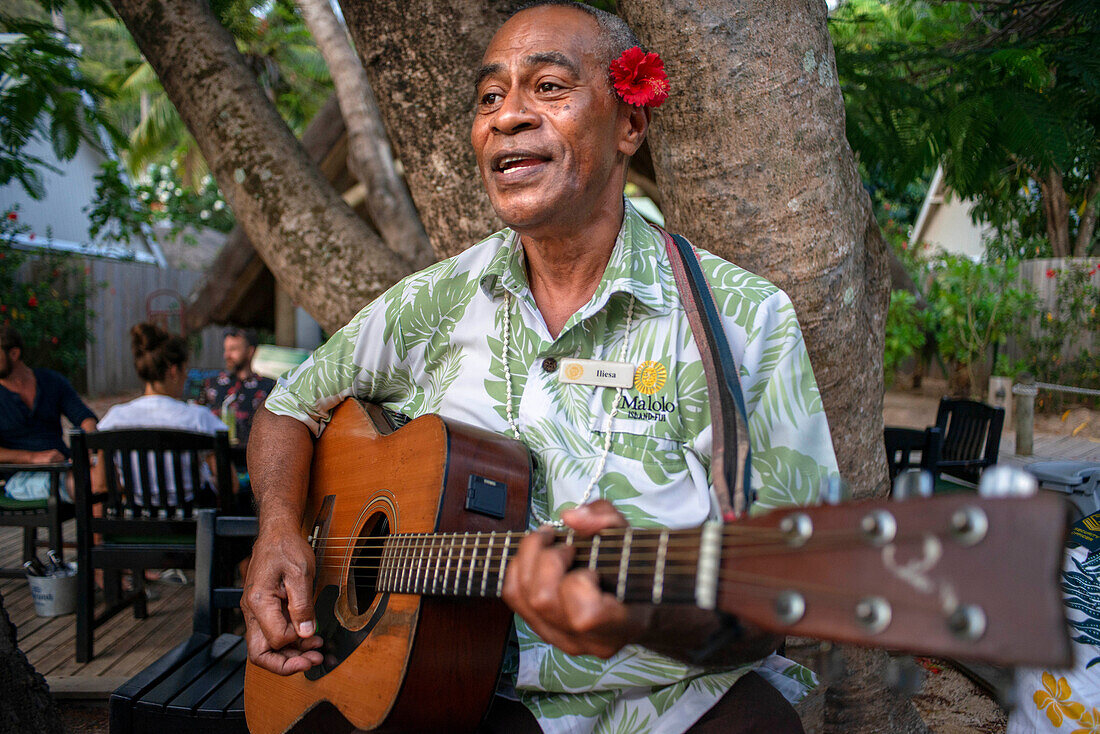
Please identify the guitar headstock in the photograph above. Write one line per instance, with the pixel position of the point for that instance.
(959, 575)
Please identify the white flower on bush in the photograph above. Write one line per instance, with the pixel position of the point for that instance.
(164, 171)
(173, 164)
(163, 197)
(204, 214)
(206, 180)
(178, 191)
(219, 205)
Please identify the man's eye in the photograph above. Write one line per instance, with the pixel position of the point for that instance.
(490, 98)
(548, 87)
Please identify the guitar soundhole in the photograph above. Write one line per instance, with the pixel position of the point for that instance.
(363, 572)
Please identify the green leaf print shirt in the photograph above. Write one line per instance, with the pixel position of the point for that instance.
(433, 343)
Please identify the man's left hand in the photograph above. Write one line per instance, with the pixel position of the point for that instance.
(566, 608)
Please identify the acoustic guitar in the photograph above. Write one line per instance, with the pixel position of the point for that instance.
(413, 529)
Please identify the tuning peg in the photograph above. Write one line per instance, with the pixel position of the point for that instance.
(1003, 480)
(913, 483)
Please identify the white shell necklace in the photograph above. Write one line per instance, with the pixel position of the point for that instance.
(506, 356)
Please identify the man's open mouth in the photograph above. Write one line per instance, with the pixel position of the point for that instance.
(504, 162)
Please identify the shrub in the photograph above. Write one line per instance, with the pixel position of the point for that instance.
(44, 297)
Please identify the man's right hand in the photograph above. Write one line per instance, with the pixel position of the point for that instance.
(277, 603)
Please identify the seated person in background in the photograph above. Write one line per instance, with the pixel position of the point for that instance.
(161, 361)
(32, 402)
(238, 384)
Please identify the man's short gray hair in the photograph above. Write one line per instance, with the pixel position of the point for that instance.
(615, 34)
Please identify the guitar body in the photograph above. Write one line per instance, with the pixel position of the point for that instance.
(396, 662)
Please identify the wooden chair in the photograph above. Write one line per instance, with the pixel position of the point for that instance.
(971, 440)
(902, 443)
(141, 526)
(199, 684)
(48, 513)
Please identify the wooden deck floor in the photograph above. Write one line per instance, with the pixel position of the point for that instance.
(1050, 448)
(123, 646)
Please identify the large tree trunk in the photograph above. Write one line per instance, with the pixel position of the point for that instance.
(1055, 211)
(370, 158)
(753, 164)
(25, 705)
(421, 60)
(324, 255)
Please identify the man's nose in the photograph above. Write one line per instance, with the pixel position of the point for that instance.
(516, 113)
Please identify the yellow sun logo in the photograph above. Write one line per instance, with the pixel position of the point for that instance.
(574, 371)
(650, 377)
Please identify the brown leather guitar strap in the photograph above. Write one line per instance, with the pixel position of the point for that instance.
(730, 449)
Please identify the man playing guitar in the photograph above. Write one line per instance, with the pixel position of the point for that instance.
(564, 330)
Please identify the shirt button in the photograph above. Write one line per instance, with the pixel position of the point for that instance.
(549, 364)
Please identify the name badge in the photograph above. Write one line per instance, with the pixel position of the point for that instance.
(596, 372)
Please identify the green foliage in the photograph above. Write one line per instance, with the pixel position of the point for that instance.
(999, 93)
(974, 306)
(1074, 315)
(45, 298)
(161, 195)
(904, 331)
(275, 44)
(42, 98)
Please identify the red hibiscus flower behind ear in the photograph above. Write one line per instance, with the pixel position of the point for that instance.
(639, 78)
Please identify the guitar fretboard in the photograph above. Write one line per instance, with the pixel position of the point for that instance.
(635, 565)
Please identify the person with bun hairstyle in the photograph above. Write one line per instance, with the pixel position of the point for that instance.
(160, 359)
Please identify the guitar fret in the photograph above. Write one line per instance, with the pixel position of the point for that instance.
(488, 558)
(659, 571)
(406, 573)
(461, 555)
(503, 563)
(438, 558)
(447, 568)
(404, 564)
(624, 562)
(384, 565)
(419, 563)
(593, 559)
(473, 569)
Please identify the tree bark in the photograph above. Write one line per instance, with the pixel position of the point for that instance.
(25, 706)
(370, 157)
(324, 255)
(1086, 228)
(1055, 211)
(753, 165)
(421, 60)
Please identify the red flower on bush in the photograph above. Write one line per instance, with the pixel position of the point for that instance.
(3, 308)
(1050, 272)
(639, 78)
(30, 236)
(13, 216)
(32, 302)
(53, 339)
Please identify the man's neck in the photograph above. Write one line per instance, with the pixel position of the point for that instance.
(564, 268)
(20, 380)
(243, 373)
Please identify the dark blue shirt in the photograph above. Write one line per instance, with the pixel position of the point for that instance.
(39, 429)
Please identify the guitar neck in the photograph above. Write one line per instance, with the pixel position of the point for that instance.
(635, 565)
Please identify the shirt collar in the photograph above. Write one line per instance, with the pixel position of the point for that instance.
(638, 266)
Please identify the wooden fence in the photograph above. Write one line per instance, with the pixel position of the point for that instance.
(1033, 273)
(134, 292)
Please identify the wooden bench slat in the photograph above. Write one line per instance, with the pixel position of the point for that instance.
(228, 701)
(191, 698)
(161, 695)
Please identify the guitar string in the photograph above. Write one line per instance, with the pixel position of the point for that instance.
(402, 559)
(637, 590)
(482, 540)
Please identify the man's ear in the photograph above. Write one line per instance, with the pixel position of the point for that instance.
(635, 124)
(15, 353)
